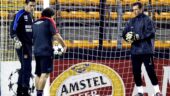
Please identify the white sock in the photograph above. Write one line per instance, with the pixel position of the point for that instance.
(140, 89)
(156, 88)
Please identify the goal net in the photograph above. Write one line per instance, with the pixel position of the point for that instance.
(97, 61)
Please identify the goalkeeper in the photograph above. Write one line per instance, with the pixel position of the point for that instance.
(21, 32)
(44, 34)
(140, 32)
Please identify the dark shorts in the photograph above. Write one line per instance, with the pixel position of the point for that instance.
(44, 64)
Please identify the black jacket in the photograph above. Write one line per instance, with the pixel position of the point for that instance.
(22, 27)
(145, 27)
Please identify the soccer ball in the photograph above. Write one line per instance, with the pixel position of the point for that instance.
(58, 49)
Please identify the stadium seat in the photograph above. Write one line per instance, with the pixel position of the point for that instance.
(111, 44)
(144, 1)
(93, 15)
(128, 2)
(17, 1)
(80, 44)
(39, 1)
(64, 14)
(162, 44)
(92, 2)
(128, 15)
(77, 15)
(111, 2)
(85, 44)
(52, 2)
(62, 1)
(162, 16)
(113, 15)
(66, 2)
(4, 1)
(4, 14)
(37, 14)
(160, 2)
(126, 44)
(95, 43)
(80, 2)
(68, 43)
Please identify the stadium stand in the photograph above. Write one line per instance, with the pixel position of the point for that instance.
(144, 1)
(37, 14)
(113, 15)
(77, 15)
(86, 15)
(83, 15)
(52, 2)
(17, 1)
(4, 1)
(162, 16)
(4, 14)
(111, 2)
(92, 2)
(65, 2)
(64, 14)
(108, 44)
(128, 15)
(81, 43)
(128, 2)
(93, 15)
(39, 1)
(160, 2)
(78, 2)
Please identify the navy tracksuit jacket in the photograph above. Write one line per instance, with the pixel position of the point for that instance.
(145, 27)
(21, 28)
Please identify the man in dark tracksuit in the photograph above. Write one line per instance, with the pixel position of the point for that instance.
(21, 32)
(45, 34)
(140, 32)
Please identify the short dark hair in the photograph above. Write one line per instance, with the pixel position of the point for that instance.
(27, 1)
(48, 12)
(139, 4)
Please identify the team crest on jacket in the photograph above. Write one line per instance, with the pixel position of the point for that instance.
(88, 79)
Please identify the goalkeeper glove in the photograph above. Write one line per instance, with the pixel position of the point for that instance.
(17, 43)
(131, 37)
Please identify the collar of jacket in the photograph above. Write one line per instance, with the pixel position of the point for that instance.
(140, 15)
(45, 17)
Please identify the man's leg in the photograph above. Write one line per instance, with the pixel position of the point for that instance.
(26, 69)
(136, 67)
(37, 78)
(44, 66)
(41, 83)
(20, 57)
(149, 65)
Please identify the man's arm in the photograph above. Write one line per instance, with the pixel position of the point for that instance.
(14, 24)
(126, 30)
(57, 38)
(56, 35)
(13, 29)
(149, 30)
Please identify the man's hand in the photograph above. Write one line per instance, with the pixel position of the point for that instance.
(17, 43)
